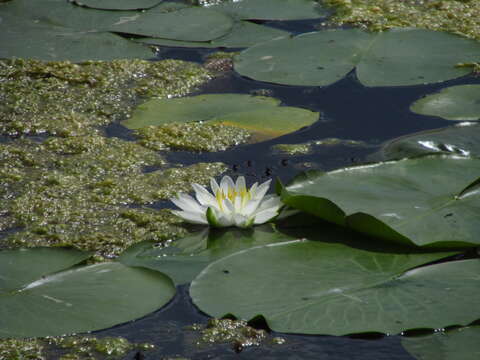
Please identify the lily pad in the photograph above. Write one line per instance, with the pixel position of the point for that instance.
(391, 58)
(187, 257)
(270, 9)
(189, 24)
(243, 34)
(118, 4)
(458, 140)
(432, 201)
(462, 343)
(50, 298)
(260, 115)
(23, 38)
(61, 13)
(458, 103)
(312, 287)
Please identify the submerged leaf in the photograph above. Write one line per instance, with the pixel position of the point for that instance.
(260, 115)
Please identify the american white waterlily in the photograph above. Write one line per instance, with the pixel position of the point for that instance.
(231, 204)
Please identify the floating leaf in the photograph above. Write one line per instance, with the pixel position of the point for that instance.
(391, 58)
(189, 24)
(425, 201)
(261, 115)
(270, 9)
(243, 34)
(118, 4)
(47, 298)
(61, 13)
(19, 267)
(455, 344)
(458, 140)
(22, 38)
(188, 256)
(457, 103)
(312, 287)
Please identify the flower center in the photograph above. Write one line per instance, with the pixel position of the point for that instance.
(232, 194)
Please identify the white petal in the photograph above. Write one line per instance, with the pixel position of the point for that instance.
(270, 201)
(192, 217)
(240, 220)
(187, 203)
(251, 206)
(253, 189)
(240, 184)
(228, 206)
(204, 197)
(264, 216)
(214, 186)
(237, 203)
(225, 220)
(227, 183)
(262, 189)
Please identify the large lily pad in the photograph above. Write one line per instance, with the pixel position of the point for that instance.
(457, 103)
(459, 140)
(189, 24)
(243, 34)
(270, 9)
(50, 298)
(118, 4)
(260, 115)
(455, 344)
(392, 58)
(427, 201)
(188, 256)
(313, 287)
(23, 38)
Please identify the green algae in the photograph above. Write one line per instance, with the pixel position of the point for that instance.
(63, 193)
(65, 99)
(220, 61)
(307, 147)
(68, 348)
(455, 16)
(28, 349)
(196, 136)
(237, 333)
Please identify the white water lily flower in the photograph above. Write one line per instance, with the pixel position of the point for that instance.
(231, 204)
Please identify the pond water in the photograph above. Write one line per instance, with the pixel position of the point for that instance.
(349, 111)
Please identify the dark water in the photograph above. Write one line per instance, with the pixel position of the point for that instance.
(348, 110)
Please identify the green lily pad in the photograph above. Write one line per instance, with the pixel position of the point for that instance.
(118, 4)
(391, 58)
(243, 34)
(458, 140)
(260, 115)
(49, 298)
(187, 257)
(458, 103)
(427, 201)
(312, 287)
(19, 267)
(22, 38)
(462, 343)
(61, 13)
(270, 9)
(189, 24)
